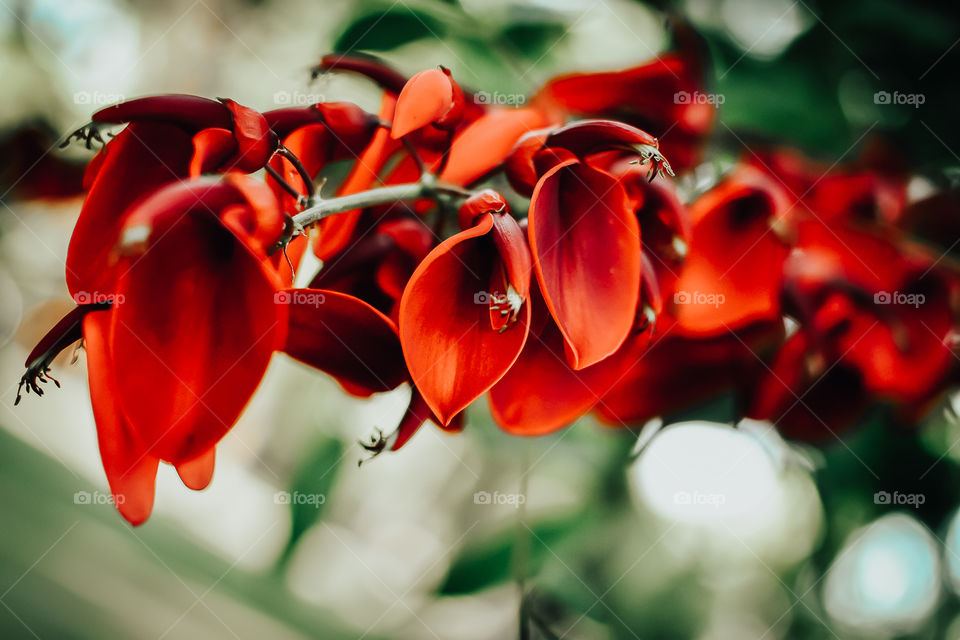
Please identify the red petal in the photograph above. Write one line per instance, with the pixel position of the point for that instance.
(452, 352)
(650, 95)
(585, 242)
(244, 206)
(478, 204)
(589, 136)
(413, 418)
(348, 121)
(192, 111)
(804, 404)
(142, 157)
(196, 474)
(909, 333)
(486, 142)
(196, 327)
(389, 79)
(542, 393)
(514, 251)
(212, 148)
(131, 470)
(519, 166)
(346, 338)
(676, 372)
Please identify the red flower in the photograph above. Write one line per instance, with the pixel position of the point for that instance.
(585, 242)
(178, 345)
(870, 311)
(464, 315)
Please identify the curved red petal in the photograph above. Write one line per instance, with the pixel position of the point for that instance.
(519, 166)
(195, 329)
(193, 111)
(453, 353)
(389, 79)
(589, 136)
(486, 142)
(585, 242)
(486, 201)
(211, 149)
(197, 473)
(511, 242)
(131, 469)
(255, 141)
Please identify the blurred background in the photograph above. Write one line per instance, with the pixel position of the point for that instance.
(699, 531)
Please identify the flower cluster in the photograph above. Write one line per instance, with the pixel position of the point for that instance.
(795, 287)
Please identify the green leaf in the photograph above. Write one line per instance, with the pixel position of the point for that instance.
(385, 30)
(310, 487)
(532, 39)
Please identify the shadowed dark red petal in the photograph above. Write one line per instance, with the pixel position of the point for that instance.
(347, 120)
(193, 111)
(142, 157)
(588, 136)
(909, 333)
(345, 337)
(389, 79)
(807, 404)
(196, 328)
(196, 474)
(415, 416)
(131, 470)
(452, 352)
(585, 242)
(676, 372)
